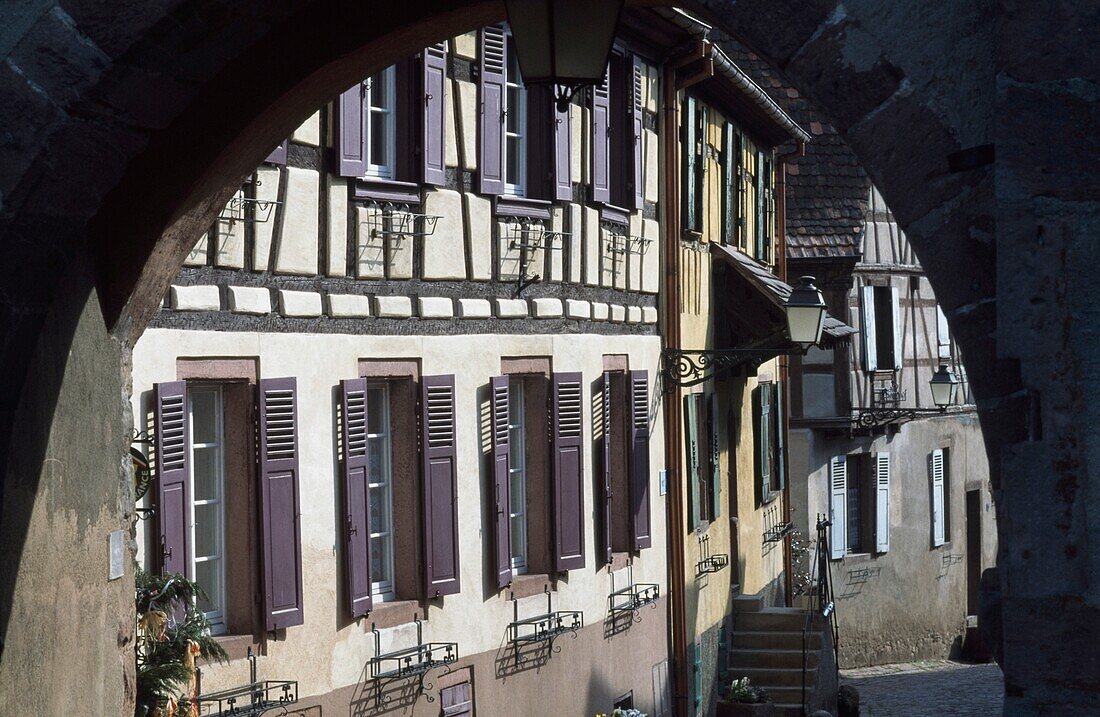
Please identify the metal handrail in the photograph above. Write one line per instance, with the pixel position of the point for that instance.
(821, 599)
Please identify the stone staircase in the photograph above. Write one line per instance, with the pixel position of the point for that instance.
(766, 647)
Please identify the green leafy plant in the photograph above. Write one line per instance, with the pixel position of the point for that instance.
(172, 632)
(741, 691)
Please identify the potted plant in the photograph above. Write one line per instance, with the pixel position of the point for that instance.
(744, 700)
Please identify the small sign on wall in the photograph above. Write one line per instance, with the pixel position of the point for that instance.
(664, 481)
(118, 553)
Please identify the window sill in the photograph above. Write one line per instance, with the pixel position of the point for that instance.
(387, 190)
(521, 207)
(528, 585)
(236, 646)
(615, 215)
(393, 613)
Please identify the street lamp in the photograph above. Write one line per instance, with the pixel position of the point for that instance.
(805, 309)
(564, 43)
(943, 384)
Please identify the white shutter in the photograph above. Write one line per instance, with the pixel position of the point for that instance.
(935, 466)
(895, 311)
(882, 502)
(943, 334)
(838, 502)
(867, 317)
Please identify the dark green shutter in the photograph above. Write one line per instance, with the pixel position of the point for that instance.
(739, 178)
(759, 208)
(688, 150)
(761, 410)
(780, 439)
(729, 189)
(693, 457)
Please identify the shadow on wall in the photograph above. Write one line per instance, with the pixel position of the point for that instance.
(854, 580)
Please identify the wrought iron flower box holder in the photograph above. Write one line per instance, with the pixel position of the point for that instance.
(390, 221)
(526, 237)
(543, 628)
(778, 532)
(255, 698)
(633, 598)
(410, 662)
(886, 409)
(712, 564)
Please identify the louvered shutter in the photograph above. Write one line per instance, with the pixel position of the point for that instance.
(729, 185)
(568, 462)
(838, 506)
(780, 468)
(758, 212)
(762, 439)
(639, 457)
(688, 150)
(601, 140)
(280, 503)
(502, 500)
(607, 463)
(936, 473)
(895, 313)
(356, 466)
(172, 445)
(563, 150)
(278, 155)
(433, 78)
(882, 502)
(742, 191)
(437, 403)
(943, 335)
(457, 701)
(351, 133)
(715, 457)
(637, 179)
(694, 455)
(491, 121)
(867, 319)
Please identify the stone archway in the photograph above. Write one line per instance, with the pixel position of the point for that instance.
(123, 126)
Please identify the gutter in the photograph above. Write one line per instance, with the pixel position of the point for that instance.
(726, 67)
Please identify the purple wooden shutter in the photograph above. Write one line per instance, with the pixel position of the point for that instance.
(563, 184)
(356, 495)
(637, 179)
(568, 457)
(639, 457)
(173, 451)
(440, 485)
(491, 159)
(434, 74)
(607, 462)
(601, 142)
(280, 503)
(351, 157)
(502, 499)
(278, 155)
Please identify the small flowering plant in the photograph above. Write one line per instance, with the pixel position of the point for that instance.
(628, 712)
(741, 691)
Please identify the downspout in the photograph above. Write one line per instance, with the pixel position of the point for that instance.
(784, 361)
(672, 414)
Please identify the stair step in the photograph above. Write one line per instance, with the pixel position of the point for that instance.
(774, 640)
(773, 618)
(789, 695)
(748, 603)
(763, 658)
(773, 677)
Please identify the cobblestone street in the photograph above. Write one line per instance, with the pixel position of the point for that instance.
(938, 688)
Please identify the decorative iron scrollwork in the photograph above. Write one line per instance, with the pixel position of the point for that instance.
(685, 367)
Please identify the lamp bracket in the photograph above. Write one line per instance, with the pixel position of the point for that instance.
(685, 367)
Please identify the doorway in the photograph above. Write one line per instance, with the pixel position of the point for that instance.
(973, 549)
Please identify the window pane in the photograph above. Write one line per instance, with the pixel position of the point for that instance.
(379, 88)
(379, 510)
(376, 453)
(377, 409)
(380, 548)
(207, 518)
(204, 416)
(854, 505)
(512, 164)
(378, 138)
(519, 537)
(206, 473)
(208, 578)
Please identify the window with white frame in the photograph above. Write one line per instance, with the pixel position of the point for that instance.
(380, 452)
(381, 125)
(517, 511)
(515, 125)
(207, 517)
